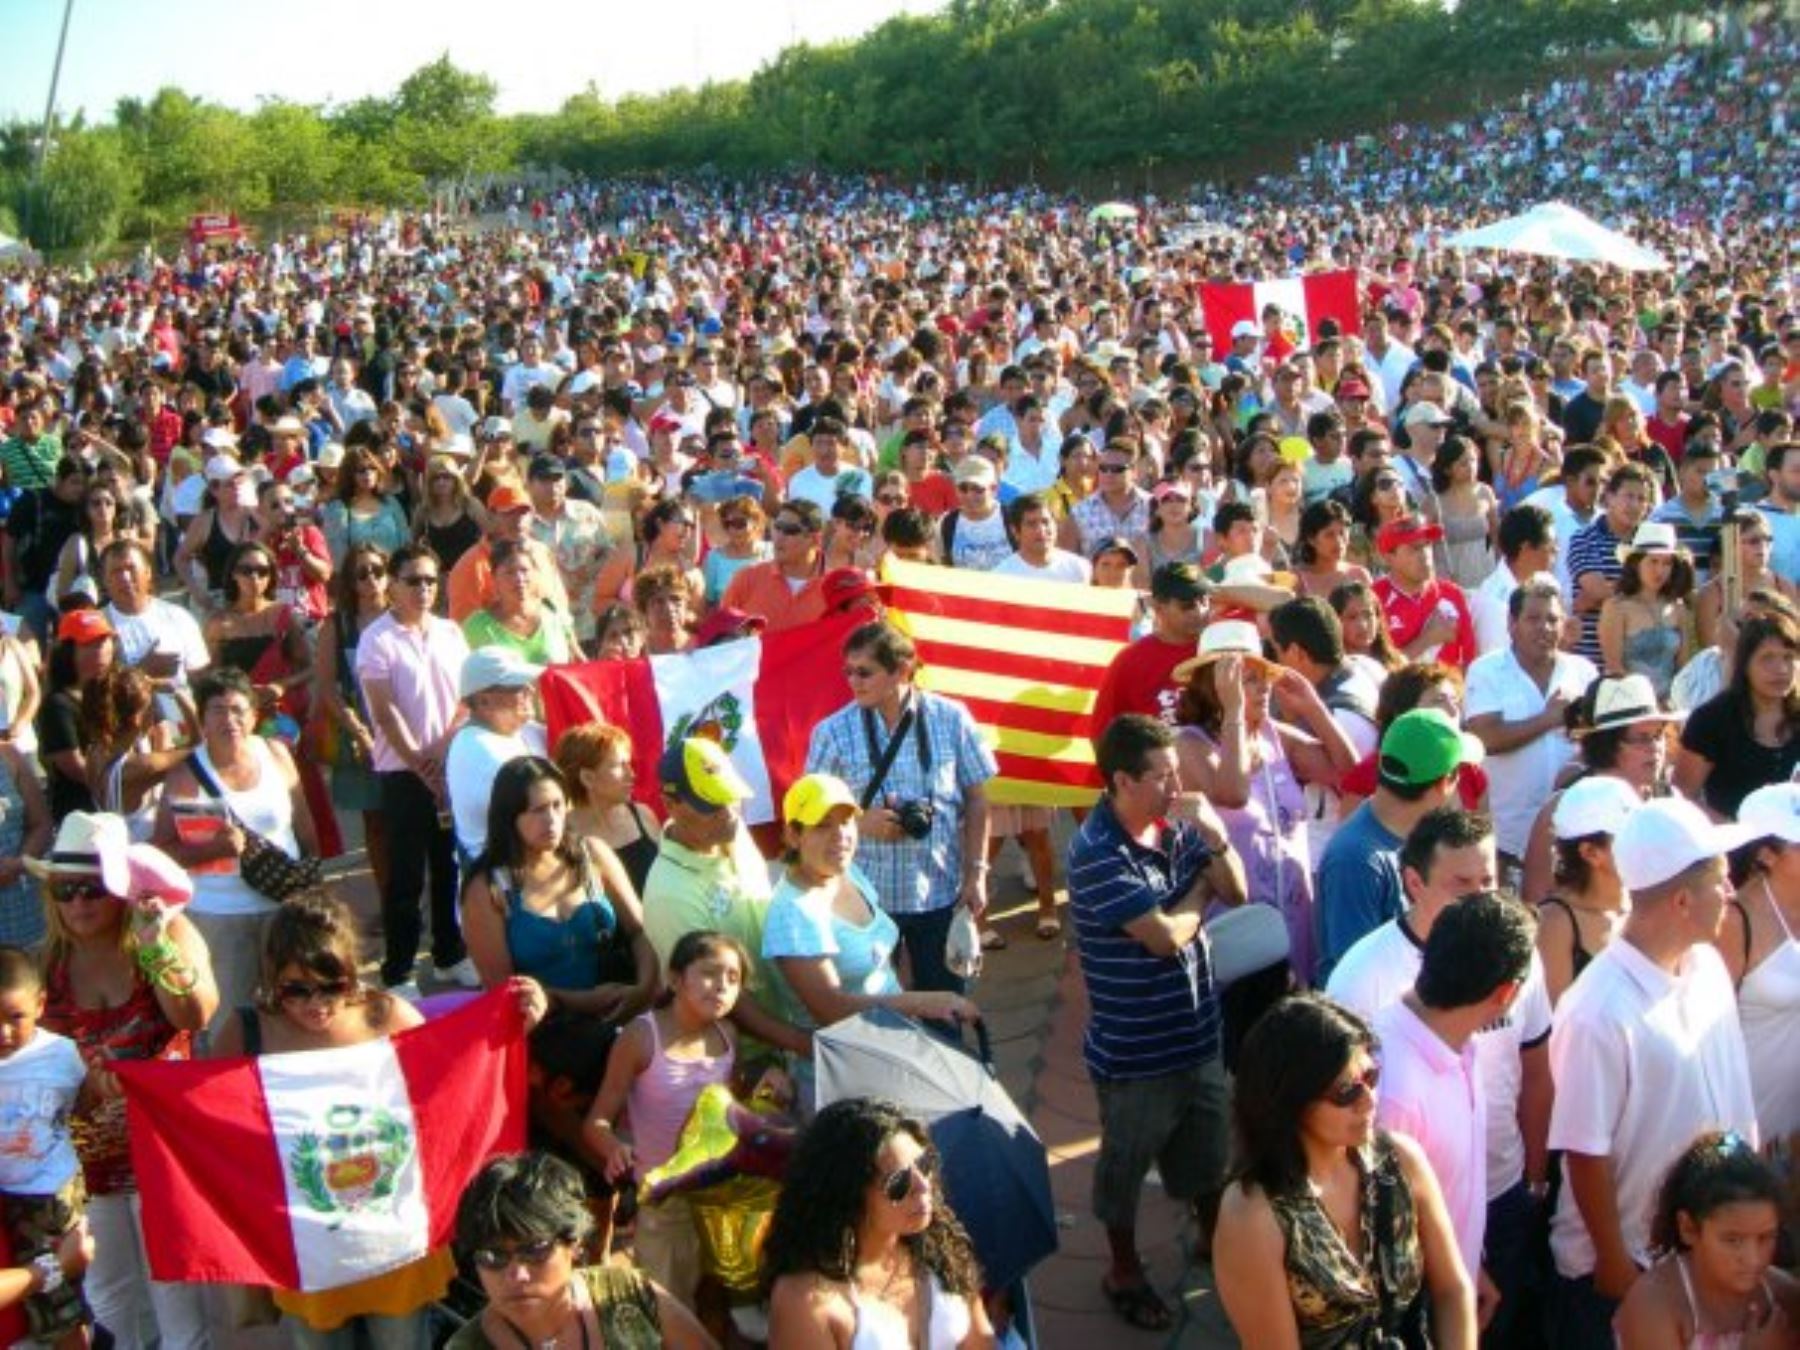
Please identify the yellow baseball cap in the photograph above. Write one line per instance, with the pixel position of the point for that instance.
(700, 773)
(814, 797)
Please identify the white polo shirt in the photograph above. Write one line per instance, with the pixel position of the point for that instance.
(1433, 1094)
(1521, 781)
(1643, 1061)
(1488, 607)
(1383, 965)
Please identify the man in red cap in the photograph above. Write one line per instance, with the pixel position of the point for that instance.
(1427, 618)
(472, 579)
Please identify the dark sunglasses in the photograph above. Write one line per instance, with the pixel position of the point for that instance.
(300, 991)
(417, 580)
(495, 1259)
(370, 573)
(896, 1187)
(1353, 1091)
(1115, 468)
(252, 570)
(734, 522)
(890, 499)
(788, 527)
(68, 892)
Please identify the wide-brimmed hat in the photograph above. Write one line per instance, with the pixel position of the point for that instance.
(1653, 536)
(88, 844)
(1227, 637)
(1625, 701)
(1250, 583)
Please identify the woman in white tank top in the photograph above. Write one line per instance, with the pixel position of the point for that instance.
(863, 1250)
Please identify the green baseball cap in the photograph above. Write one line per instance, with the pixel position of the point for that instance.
(1425, 745)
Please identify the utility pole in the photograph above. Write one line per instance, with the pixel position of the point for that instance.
(62, 43)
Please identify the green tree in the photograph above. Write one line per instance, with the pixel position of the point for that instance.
(81, 197)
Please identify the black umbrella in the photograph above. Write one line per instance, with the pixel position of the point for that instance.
(996, 1173)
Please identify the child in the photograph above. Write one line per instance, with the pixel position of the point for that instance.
(41, 1078)
(658, 1067)
(1716, 1288)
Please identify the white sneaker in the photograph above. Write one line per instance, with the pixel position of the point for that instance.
(407, 990)
(462, 973)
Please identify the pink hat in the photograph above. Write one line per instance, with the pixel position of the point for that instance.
(154, 875)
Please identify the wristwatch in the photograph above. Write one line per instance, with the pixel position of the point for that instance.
(49, 1272)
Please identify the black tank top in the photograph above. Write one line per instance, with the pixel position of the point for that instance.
(639, 853)
(1582, 955)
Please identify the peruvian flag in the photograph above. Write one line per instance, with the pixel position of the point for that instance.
(758, 697)
(1303, 299)
(313, 1170)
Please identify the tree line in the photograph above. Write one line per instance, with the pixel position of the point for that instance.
(984, 90)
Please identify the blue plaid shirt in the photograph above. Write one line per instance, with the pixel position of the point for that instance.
(913, 876)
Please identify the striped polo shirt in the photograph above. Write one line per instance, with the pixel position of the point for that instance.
(1149, 1015)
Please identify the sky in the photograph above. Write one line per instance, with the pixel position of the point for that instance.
(237, 52)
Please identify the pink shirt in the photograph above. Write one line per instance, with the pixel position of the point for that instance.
(421, 667)
(1431, 1093)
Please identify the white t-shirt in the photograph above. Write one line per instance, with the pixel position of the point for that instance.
(1521, 780)
(823, 491)
(161, 628)
(1378, 971)
(1063, 566)
(1556, 503)
(1433, 1094)
(38, 1083)
(1488, 606)
(476, 755)
(1644, 1061)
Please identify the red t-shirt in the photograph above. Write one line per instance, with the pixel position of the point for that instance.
(1406, 616)
(1671, 436)
(934, 494)
(1140, 680)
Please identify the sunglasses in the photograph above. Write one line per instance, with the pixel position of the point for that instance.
(300, 991)
(68, 892)
(417, 580)
(860, 672)
(252, 570)
(788, 527)
(896, 1187)
(890, 499)
(1353, 1091)
(495, 1259)
(734, 522)
(370, 573)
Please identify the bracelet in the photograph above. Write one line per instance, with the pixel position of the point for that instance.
(49, 1272)
(163, 966)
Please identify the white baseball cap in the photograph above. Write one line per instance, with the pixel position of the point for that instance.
(1598, 804)
(495, 668)
(1664, 838)
(1772, 813)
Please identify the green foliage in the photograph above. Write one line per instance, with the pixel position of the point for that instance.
(984, 90)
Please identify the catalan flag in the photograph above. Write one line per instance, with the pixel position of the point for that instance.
(1025, 657)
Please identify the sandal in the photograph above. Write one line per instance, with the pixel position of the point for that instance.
(993, 940)
(1049, 929)
(1140, 1306)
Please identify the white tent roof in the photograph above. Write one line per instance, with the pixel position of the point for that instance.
(1557, 230)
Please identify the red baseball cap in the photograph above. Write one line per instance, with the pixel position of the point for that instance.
(1352, 389)
(82, 626)
(506, 499)
(1407, 530)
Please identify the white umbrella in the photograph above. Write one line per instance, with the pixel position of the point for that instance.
(1114, 211)
(1557, 230)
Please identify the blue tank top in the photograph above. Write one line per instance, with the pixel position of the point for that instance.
(558, 953)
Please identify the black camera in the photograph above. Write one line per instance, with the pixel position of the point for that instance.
(915, 818)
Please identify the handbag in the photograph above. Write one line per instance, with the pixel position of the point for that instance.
(267, 868)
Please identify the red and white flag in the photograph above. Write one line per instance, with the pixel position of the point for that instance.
(759, 697)
(313, 1170)
(1304, 300)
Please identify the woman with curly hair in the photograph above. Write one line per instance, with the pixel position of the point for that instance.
(862, 1249)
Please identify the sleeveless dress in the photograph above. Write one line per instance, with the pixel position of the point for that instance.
(1653, 652)
(559, 953)
(1467, 559)
(1769, 1009)
(1269, 834)
(663, 1095)
(1342, 1302)
(1710, 1340)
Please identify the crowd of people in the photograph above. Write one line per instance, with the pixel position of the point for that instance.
(1436, 896)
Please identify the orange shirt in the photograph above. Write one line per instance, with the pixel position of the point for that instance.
(762, 589)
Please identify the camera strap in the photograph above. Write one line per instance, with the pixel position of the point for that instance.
(910, 720)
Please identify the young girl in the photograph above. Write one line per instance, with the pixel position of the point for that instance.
(1644, 624)
(656, 1071)
(311, 997)
(1716, 1287)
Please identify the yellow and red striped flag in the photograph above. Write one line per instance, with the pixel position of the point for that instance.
(1026, 657)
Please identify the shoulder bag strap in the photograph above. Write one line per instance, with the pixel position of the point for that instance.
(886, 760)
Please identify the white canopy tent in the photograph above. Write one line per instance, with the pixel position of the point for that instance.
(1557, 230)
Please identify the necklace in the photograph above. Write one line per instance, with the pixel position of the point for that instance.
(549, 1342)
